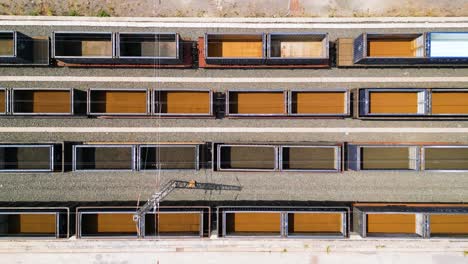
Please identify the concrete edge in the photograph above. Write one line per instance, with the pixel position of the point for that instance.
(239, 245)
(241, 19)
(123, 79)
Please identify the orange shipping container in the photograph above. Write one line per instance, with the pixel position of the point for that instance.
(391, 223)
(261, 223)
(315, 223)
(116, 223)
(319, 103)
(184, 102)
(257, 103)
(449, 102)
(2, 101)
(393, 102)
(42, 101)
(456, 224)
(118, 102)
(179, 222)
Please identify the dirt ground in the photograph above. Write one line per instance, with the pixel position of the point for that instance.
(236, 8)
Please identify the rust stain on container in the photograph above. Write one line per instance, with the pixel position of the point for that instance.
(184, 102)
(235, 47)
(253, 223)
(391, 223)
(446, 158)
(2, 101)
(449, 102)
(29, 101)
(318, 102)
(179, 223)
(449, 224)
(393, 102)
(309, 158)
(131, 102)
(116, 223)
(256, 103)
(391, 48)
(315, 223)
(247, 157)
(375, 158)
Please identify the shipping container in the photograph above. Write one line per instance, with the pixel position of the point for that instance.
(83, 47)
(449, 102)
(244, 103)
(7, 44)
(389, 221)
(393, 102)
(30, 157)
(169, 157)
(252, 223)
(445, 158)
(389, 48)
(234, 48)
(42, 101)
(310, 158)
(34, 222)
(405, 49)
(231, 157)
(383, 157)
(165, 222)
(103, 157)
(316, 223)
(100, 223)
(180, 223)
(415, 220)
(453, 224)
(319, 103)
(149, 47)
(3, 101)
(17, 49)
(103, 101)
(298, 48)
(121, 49)
(391, 224)
(413, 103)
(447, 47)
(281, 221)
(180, 102)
